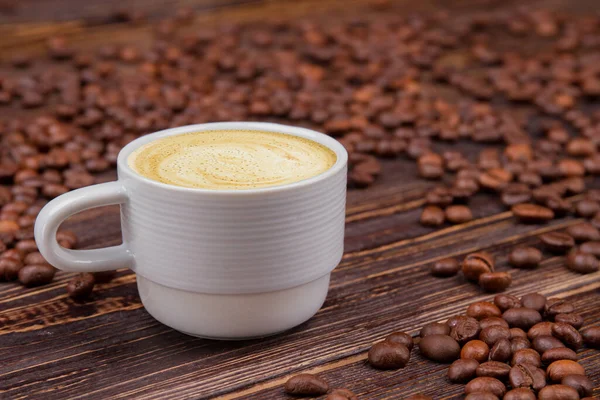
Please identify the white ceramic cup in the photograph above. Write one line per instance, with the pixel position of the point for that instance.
(225, 264)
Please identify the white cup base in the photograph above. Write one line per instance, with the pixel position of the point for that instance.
(233, 316)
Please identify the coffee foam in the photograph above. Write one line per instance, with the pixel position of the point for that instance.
(231, 159)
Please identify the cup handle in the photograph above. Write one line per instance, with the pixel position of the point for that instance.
(59, 209)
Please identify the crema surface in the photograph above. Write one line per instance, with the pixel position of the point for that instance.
(231, 159)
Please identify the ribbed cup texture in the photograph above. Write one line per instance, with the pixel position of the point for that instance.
(235, 243)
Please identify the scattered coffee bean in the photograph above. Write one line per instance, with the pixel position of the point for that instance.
(476, 264)
(581, 383)
(575, 320)
(465, 329)
(519, 343)
(458, 214)
(519, 394)
(486, 384)
(483, 309)
(582, 263)
(525, 257)
(341, 394)
(528, 376)
(517, 332)
(567, 334)
(445, 268)
(501, 351)
(557, 242)
(584, 232)
(462, 370)
(81, 286)
(432, 216)
(506, 301)
(306, 385)
(587, 208)
(555, 306)
(36, 275)
(591, 248)
(591, 336)
(400, 338)
(481, 396)
(492, 334)
(495, 281)
(534, 301)
(543, 343)
(558, 392)
(9, 268)
(540, 329)
(386, 355)
(526, 356)
(435, 328)
(440, 348)
(531, 213)
(489, 321)
(559, 369)
(493, 369)
(557, 354)
(522, 317)
(476, 350)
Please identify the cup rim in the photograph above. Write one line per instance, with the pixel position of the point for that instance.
(329, 142)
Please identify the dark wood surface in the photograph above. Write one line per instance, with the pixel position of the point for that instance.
(53, 348)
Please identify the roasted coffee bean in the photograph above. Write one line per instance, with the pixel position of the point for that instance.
(506, 301)
(476, 264)
(525, 257)
(489, 321)
(519, 394)
(558, 392)
(567, 334)
(306, 385)
(558, 205)
(522, 317)
(465, 329)
(543, 343)
(558, 353)
(583, 232)
(581, 383)
(493, 369)
(476, 350)
(66, 239)
(481, 396)
(486, 384)
(531, 213)
(582, 263)
(587, 208)
(34, 258)
(492, 334)
(501, 351)
(462, 370)
(453, 321)
(555, 306)
(575, 320)
(483, 309)
(527, 376)
(400, 338)
(445, 268)
(81, 286)
(341, 394)
(430, 166)
(534, 301)
(591, 248)
(458, 214)
(519, 343)
(435, 328)
(526, 356)
(104, 276)
(439, 196)
(591, 336)
(517, 332)
(540, 329)
(36, 275)
(440, 348)
(559, 369)
(495, 281)
(386, 355)
(515, 193)
(495, 179)
(557, 242)
(9, 268)
(26, 246)
(432, 216)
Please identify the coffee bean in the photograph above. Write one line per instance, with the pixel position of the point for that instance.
(591, 248)
(386, 355)
(495, 281)
(306, 385)
(591, 336)
(532, 213)
(543, 343)
(481, 396)
(559, 369)
(534, 301)
(490, 321)
(493, 369)
(558, 205)
(341, 394)
(567, 334)
(525, 257)
(519, 343)
(476, 350)
(527, 376)
(517, 332)
(400, 338)
(583, 232)
(582, 263)
(458, 214)
(501, 351)
(432, 216)
(519, 394)
(522, 317)
(34, 258)
(575, 320)
(540, 329)
(445, 268)
(430, 166)
(26, 246)
(526, 356)
(462, 370)
(476, 264)
(486, 384)
(36, 275)
(558, 392)
(557, 242)
(492, 334)
(453, 321)
(555, 306)
(587, 208)
(435, 328)
(581, 383)
(439, 196)
(515, 193)
(558, 353)
(81, 286)
(506, 301)
(467, 328)
(9, 268)
(483, 309)
(440, 348)
(495, 179)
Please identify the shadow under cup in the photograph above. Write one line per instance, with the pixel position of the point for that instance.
(224, 264)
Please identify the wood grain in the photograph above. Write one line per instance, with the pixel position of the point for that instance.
(54, 348)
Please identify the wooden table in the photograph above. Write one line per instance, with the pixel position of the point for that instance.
(53, 348)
